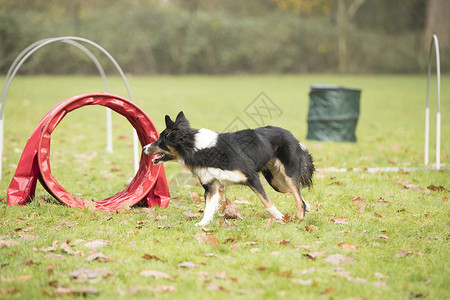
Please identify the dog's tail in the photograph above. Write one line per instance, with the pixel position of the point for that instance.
(307, 167)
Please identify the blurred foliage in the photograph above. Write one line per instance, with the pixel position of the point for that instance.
(216, 37)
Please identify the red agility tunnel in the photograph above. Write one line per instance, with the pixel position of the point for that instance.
(149, 184)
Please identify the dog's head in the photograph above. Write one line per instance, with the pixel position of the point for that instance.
(172, 140)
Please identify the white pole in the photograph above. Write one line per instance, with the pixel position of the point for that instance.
(438, 140)
(427, 135)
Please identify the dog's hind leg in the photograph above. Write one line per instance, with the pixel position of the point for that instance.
(255, 184)
(213, 195)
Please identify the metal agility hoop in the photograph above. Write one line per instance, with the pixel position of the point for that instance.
(74, 41)
(149, 184)
(435, 43)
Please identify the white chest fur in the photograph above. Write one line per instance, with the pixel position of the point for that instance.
(225, 177)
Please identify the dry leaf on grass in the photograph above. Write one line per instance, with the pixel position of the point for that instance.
(231, 210)
(403, 253)
(314, 255)
(156, 274)
(18, 278)
(200, 237)
(90, 273)
(187, 265)
(302, 281)
(347, 247)
(94, 245)
(8, 243)
(151, 256)
(97, 256)
(283, 242)
(338, 220)
(338, 259)
(153, 288)
(213, 240)
(195, 197)
(311, 228)
(65, 247)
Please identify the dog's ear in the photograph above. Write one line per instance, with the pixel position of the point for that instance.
(169, 122)
(181, 118)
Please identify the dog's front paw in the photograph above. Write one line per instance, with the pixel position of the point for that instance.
(275, 213)
(307, 207)
(203, 223)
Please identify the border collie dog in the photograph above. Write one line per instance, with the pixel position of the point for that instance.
(222, 159)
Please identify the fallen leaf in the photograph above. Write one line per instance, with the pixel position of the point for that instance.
(65, 247)
(213, 240)
(275, 252)
(287, 218)
(285, 273)
(200, 237)
(195, 197)
(8, 243)
(150, 257)
(403, 253)
(284, 242)
(54, 256)
(90, 273)
(327, 290)
(234, 246)
(437, 188)
(335, 259)
(187, 265)
(396, 147)
(302, 281)
(94, 245)
(8, 291)
(358, 199)
(383, 236)
(29, 262)
(213, 286)
(49, 249)
(314, 255)
(62, 290)
(307, 271)
(230, 210)
(311, 228)
(156, 274)
(254, 250)
(381, 200)
(379, 275)
(153, 288)
(347, 247)
(97, 256)
(28, 237)
(380, 284)
(18, 278)
(392, 161)
(338, 220)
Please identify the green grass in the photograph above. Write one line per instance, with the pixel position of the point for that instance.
(390, 133)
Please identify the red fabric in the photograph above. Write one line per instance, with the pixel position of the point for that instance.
(149, 184)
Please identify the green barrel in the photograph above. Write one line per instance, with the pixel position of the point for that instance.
(333, 113)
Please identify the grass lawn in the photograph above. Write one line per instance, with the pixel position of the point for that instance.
(382, 235)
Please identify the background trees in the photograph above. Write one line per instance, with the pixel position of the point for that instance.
(222, 37)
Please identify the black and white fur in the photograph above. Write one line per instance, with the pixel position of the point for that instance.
(222, 159)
